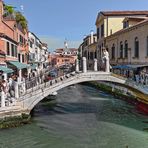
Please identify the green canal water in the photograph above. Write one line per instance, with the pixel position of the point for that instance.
(83, 117)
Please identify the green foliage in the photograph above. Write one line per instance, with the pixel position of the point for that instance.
(9, 9)
(20, 19)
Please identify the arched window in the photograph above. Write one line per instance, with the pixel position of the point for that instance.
(113, 51)
(126, 49)
(136, 47)
(121, 50)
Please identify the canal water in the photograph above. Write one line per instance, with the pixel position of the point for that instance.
(83, 117)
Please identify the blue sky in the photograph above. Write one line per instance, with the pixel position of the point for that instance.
(55, 20)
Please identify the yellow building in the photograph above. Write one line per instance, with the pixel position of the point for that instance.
(129, 45)
(109, 22)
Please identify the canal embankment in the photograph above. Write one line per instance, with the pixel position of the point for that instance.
(11, 122)
(130, 95)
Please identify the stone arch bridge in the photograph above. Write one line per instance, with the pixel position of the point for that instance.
(34, 95)
(28, 95)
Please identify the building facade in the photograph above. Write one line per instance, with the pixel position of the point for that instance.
(109, 22)
(88, 49)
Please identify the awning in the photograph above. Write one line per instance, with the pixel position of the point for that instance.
(5, 69)
(34, 66)
(128, 67)
(18, 65)
(136, 66)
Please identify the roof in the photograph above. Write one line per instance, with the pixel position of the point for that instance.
(59, 50)
(87, 36)
(134, 18)
(35, 36)
(123, 13)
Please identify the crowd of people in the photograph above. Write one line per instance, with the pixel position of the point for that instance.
(140, 77)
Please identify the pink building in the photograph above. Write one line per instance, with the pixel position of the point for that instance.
(13, 38)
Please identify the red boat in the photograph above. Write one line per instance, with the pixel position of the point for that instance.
(142, 107)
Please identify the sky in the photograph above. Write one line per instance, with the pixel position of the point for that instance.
(53, 21)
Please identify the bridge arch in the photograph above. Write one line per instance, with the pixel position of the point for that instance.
(30, 100)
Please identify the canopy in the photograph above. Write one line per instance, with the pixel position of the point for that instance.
(5, 69)
(128, 66)
(136, 66)
(18, 65)
(34, 66)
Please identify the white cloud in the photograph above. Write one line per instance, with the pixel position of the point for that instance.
(54, 43)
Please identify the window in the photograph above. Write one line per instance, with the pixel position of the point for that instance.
(98, 33)
(91, 55)
(19, 57)
(147, 46)
(12, 50)
(94, 39)
(121, 50)
(23, 58)
(15, 51)
(125, 24)
(22, 40)
(36, 43)
(102, 30)
(8, 48)
(30, 43)
(136, 47)
(86, 42)
(126, 49)
(113, 51)
(85, 53)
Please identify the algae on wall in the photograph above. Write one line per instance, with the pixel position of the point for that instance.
(9, 122)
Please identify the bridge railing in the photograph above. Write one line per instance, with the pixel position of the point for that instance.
(38, 83)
